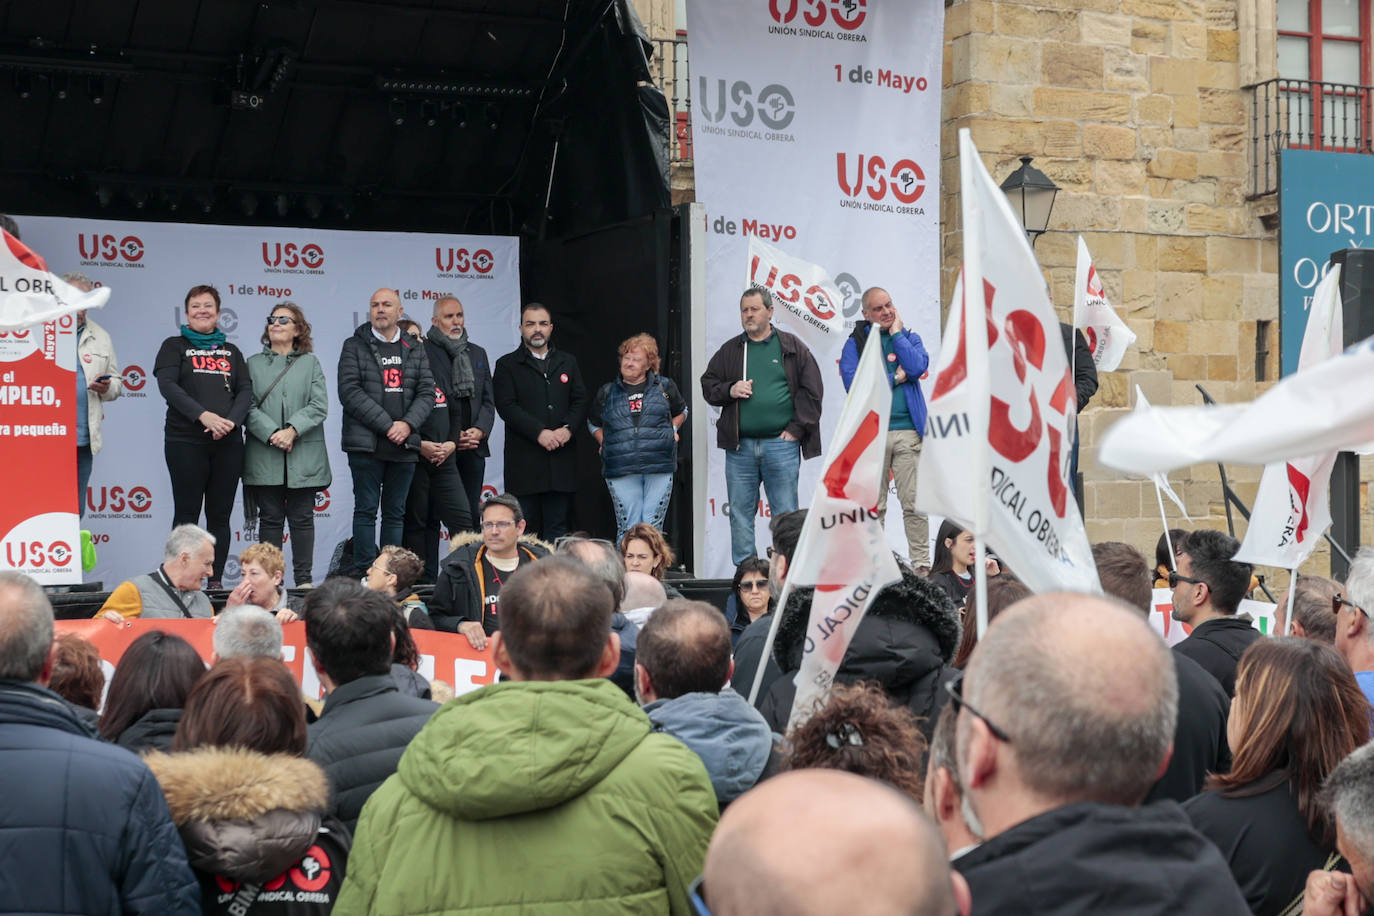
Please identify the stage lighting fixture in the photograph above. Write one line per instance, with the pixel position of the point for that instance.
(283, 204)
(59, 85)
(23, 84)
(397, 111)
(95, 89)
(171, 197)
(313, 206)
(429, 113)
(138, 197)
(104, 193)
(249, 204)
(205, 199)
(460, 114)
(493, 114)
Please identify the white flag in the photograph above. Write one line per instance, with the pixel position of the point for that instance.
(1291, 510)
(996, 453)
(808, 302)
(30, 295)
(1329, 407)
(843, 552)
(1160, 480)
(1107, 334)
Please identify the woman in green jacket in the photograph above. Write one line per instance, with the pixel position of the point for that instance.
(286, 463)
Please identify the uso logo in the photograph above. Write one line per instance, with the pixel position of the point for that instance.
(228, 323)
(488, 491)
(321, 501)
(852, 290)
(845, 14)
(462, 262)
(291, 255)
(108, 501)
(774, 104)
(310, 875)
(788, 287)
(37, 554)
(15, 345)
(134, 378)
(109, 248)
(903, 180)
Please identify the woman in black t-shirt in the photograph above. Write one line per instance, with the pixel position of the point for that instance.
(952, 567)
(205, 382)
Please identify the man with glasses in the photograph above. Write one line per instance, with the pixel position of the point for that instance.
(1354, 632)
(905, 358)
(1208, 587)
(1065, 718)
(466, 597)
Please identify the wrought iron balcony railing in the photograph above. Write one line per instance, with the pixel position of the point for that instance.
(1304, 114)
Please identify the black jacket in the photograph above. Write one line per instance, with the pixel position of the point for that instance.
(803, 380)
(458, 590)
(477, 411)
(1089, 858)
(533, 395)
(748, 654)
(1263, 838)
(1080, 355)
(360, 736)
(365, 420)
(905, 643)
(152, 731)
(84, 825)
(1217, 646)
(1199, 736)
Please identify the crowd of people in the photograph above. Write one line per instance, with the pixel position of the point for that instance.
(1068, 761)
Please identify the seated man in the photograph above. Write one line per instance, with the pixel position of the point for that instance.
(820, 842)
(682, 677)
(247, 631)
(173, 590)
(393, 573)
(1065, 719)
(644, 594)
(469, 587)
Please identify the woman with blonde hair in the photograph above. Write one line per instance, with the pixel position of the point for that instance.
(263, 567)
(635, 421)
(1297, 713)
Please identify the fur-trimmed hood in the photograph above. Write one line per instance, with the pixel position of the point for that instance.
(244, 815)
(907, 607)
(464, 538)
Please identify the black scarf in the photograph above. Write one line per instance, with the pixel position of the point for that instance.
(457, 349)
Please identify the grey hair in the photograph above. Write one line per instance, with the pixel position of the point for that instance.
(1359, 583)
(1089, 720)
(26, 627)
(247, 631)
(185, 539)
(944, 755)
(1312, 607)
(75, 276)
(1349, 794)
(606, 564)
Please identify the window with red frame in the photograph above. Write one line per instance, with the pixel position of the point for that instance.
(1324, 48)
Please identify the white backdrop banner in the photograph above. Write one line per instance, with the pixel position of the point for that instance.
(816, 128)
(329, 274)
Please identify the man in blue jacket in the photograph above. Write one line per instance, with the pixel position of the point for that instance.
(906, 360)
(84, 827)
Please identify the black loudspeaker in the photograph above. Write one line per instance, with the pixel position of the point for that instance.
(1357, 323)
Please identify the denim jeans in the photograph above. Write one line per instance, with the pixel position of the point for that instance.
(376, 483)
(639, 498)
(773, 462)
(83, 477)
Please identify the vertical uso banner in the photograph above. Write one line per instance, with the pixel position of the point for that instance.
(331, 275)
(38, 447)
(816, 129)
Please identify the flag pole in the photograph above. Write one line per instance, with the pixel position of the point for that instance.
(1169, 541)
(1292, 593)
(980, 584)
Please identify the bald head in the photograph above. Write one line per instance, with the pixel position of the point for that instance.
(765, 857)
(642, 590)
(1087, 695)
(384, 311)
(683, 648)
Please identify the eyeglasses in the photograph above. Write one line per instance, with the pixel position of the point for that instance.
(280, 319)
(381, 569)
(954, 687)
(1175, 578)
(770, 553)
(754, 585)
(1338, 600)
(696, 897)
(497, 526)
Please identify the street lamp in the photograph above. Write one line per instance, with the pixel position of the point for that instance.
(1032, 197)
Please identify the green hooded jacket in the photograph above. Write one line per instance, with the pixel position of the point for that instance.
(299, 399)
(534, 798)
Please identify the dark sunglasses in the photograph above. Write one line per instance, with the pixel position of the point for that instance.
(754, 585)
(1175, 578)
(280, 319)
(1338, 600)
(954, 687)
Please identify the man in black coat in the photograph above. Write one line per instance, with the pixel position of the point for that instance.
(437, 492)
(477, 406)
(1065, 718)
(387, 392)
(1080, 357)
(1208, 587)
(366, 722)
(539, 393)
(84, 826)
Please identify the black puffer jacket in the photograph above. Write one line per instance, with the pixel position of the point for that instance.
(360, 736)
(904, 643)
(255, 830)
(360, 391)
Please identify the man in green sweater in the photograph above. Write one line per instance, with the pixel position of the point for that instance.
(548, 793)
(769, 389)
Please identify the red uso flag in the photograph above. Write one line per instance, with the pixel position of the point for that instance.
(843, 552)
(996, 454)
(1291, 506)
(809, 302)
(1107, 334)
(29, 295)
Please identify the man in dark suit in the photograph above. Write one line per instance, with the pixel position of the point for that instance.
(539, 393)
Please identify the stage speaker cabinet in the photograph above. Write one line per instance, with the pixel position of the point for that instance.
(1357, 323)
